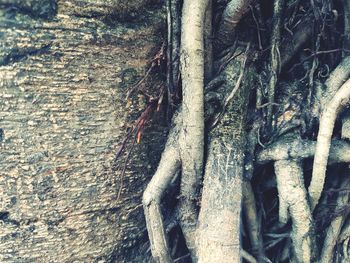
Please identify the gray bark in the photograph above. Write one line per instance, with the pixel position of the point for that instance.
(219, 219)
(64, 72)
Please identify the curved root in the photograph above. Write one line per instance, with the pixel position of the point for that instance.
(233, 13)
(168, 166)
(293, 198)
(324, 140)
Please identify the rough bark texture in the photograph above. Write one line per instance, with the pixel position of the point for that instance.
(224, 170)
(65, 68)
(293, 202)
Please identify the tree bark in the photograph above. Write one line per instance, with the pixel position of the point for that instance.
(222, 190)
(65, 70)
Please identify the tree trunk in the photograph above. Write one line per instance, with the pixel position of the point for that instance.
(65, 70)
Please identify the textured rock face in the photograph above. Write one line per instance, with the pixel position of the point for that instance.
(64, 70)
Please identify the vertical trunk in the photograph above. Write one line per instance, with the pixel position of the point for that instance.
(63, 115)
(219, 219)
(191, 138)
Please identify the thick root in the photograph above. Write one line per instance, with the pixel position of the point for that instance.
(333, 231)
(233, 13)
(168, 166)
(293, 198)
(290, 147)
(222, 190)
(327, 121)
(191, 138)
(219, 221)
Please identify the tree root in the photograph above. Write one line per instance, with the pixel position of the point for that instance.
(222, 190)
(338, 76)
(327, 121)
(253, 225)
(290, 147)
(293, 202)
(214, 234)
(191, 137)
(233, 13)
(275, 63)
(169, 164)
(188, 152)
(333, 231)
(221, 205)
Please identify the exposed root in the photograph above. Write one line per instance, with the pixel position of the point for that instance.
(168, 166)
(222, 190)
(252, 221)
(333, 230)
(275, 55)
(290, 147)
(233, 13)
(327, 121)
(214, 235)
(293, 202)
(219, 221)
(191, 137)
(338, 76)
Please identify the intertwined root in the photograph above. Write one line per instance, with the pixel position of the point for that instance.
(327, 122)
(293, 202)
(223, 177)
